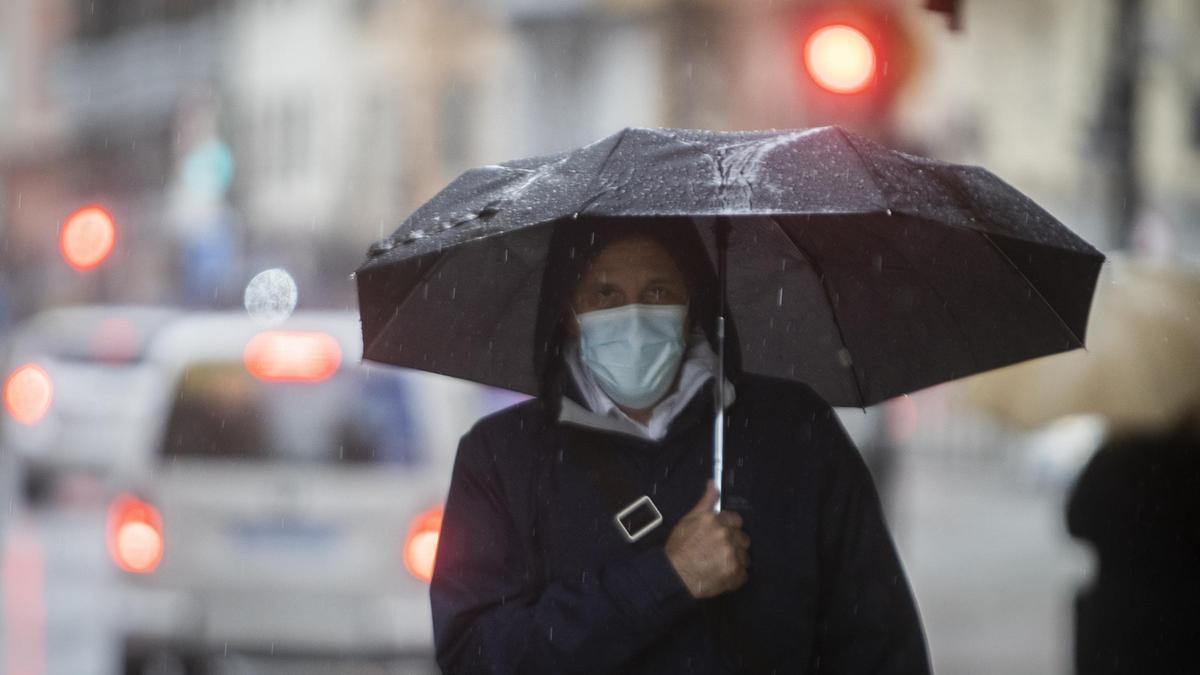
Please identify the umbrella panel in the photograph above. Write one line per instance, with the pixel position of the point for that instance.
(468, 313)
(862, 307)
(868, 307)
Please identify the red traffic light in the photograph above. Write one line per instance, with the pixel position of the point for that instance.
(840, 59)
(87, 237)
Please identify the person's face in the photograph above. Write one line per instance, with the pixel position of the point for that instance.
(636, 269)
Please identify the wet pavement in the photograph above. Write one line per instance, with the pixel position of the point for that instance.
(991, 564)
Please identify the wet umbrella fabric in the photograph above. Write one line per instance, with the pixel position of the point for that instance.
(864, 272)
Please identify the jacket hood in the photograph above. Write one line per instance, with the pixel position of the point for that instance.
(573, 246)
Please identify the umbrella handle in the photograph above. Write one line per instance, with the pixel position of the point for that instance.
(722, 237)
(719, 448)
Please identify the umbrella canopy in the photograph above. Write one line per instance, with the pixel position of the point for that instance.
(1141, 365)
(862, 271)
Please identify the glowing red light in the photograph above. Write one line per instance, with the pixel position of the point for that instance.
(28, 393)
(87, 237)
(135, 539)
(420, 549)
(840, 59)
(292, 356)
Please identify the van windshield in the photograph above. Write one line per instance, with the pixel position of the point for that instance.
(359, 415)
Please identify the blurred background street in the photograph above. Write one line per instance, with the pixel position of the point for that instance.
(176, 174)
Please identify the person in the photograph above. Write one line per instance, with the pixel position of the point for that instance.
(1137, 505)
(535, 573)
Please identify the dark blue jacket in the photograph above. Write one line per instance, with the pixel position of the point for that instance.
(532, 575)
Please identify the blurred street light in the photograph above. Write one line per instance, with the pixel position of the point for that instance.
(87, 238)
(840, 59)
(135, 538)
(851, 60)
(420, 549)
(28, 393)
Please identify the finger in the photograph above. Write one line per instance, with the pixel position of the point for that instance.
(735, 538)
(743, 558)
(708, 500)
(729, 519)
(740, 579)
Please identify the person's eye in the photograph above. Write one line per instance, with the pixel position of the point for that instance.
(608, 296)
(659, 295)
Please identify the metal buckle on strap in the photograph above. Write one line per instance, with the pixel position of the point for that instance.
(638, 519)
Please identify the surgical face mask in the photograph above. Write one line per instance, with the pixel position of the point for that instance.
(633, 350)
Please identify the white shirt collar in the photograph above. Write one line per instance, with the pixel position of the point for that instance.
(699, 366)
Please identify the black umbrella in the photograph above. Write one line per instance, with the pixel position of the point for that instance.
(862, 271)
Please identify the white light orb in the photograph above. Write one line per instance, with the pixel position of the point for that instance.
(271, 296)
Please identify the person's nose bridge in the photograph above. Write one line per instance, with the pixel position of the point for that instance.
(645, 279)
(632, 286)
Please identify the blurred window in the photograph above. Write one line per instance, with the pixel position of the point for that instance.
(361, 415)
(294, 136)
(457, 114)
(105, 338)
(99, 19)
(381, 142)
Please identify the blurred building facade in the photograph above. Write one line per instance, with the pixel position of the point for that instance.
(228, 136)
(231, 135)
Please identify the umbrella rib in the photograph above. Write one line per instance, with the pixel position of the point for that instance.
(588, 201)
(435, 267)
(963, 201)
(530, 271)
(912, 268)
(866, 165)
(407, 296)
(875, 175)
(958, 191)
(862, 399)
(1030, 284)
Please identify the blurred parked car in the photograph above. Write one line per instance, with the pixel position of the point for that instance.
(78, 395)
(292, 510)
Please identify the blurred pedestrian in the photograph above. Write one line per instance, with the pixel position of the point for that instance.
(1137, 503)
(580, 534)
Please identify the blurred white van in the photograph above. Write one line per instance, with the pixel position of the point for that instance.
(79, 395)
(290, 516)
